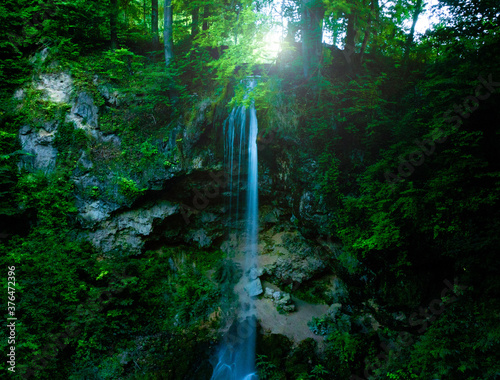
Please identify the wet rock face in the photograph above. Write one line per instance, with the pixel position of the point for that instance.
(97, 211)
(313, 211)
(293, 259)
(295, 270)
(84, 113)
(111, 223)
(129, 229)
(38, 144)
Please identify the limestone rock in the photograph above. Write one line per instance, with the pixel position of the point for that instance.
(284, 299)
(288, 308)
(127, 230)
(19, 94)
(201, 237)
(56, 86)
(41, 154)
(295, 270)
(83, 165)
(270, 216)
(339, 293)
(313, 211)
(84, 113)
(254, 288)
(94, 211)
(253, 273)
(269, 293)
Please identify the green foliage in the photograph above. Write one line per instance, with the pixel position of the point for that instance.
(129, 188)
(70, 140)
(8, 168)
(463, 344)
(318, 373)
(357, 118)
(320, 326)
(193, 296)
(314, 292)
(266, 369)
(401, 375)
(148, 150)
(345, 345)
(227, 272)
(49, 198)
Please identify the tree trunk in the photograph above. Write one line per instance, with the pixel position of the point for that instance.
(367, 31)
(350, 35)
(154, 23)
(363, 45)
(206, 15)
(167, 32)
(112, 24)
(409, 41)
(312, 34)
(195, 21)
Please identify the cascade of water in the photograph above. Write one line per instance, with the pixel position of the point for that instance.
(236, 359)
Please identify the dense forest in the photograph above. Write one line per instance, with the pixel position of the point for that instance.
(379, 187)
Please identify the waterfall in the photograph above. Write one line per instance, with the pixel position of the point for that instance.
(236, 359)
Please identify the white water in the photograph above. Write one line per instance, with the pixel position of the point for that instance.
(236, 359)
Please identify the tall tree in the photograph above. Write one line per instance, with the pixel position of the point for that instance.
(350, 36)
(409, 41)
(206, 15)
(154, 23)
(313, 12)
(195, 15)
(167, 31)
(368, 30)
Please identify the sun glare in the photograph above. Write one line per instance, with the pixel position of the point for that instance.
(272, 44)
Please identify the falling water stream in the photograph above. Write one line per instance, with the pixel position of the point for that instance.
(236, 359)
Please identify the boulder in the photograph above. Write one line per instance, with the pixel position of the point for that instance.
(295, 269)
(284, 299)
(254, 288)
(269, 293)
(288, 308)
(253, 273)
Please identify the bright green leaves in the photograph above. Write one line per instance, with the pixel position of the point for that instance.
(129, 188)
(238, 37)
